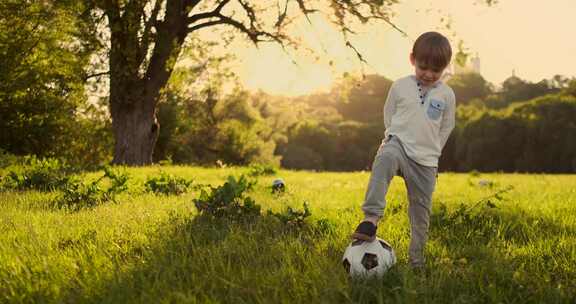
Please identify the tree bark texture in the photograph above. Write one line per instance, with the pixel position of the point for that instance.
(136, 80)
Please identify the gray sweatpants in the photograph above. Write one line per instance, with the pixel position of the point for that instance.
(392, 160)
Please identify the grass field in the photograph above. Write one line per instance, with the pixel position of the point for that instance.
(517, 247)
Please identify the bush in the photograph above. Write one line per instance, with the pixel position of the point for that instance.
(291, 217)
(228, 201)
(7, 159)
(77, 195)
(261, 170)
(46, 174)
(167, 184)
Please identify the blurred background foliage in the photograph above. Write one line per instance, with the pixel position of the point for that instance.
(48, 50)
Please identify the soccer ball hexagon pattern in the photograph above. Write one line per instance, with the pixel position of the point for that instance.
(368, 259)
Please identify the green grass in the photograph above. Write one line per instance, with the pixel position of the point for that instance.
(155, 249)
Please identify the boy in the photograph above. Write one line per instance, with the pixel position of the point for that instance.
(419, 115)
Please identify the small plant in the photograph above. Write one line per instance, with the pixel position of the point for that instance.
(46, 174)
(470, 215)
(119, 180)
(261, 170)
(292, 217)
(220, 164)
(166, 162)
(78, 195)
(228, 201)
(486, 201)
(474, 173)
(7, 159)
(167, 184)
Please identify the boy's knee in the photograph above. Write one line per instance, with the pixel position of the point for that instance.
(385, 157)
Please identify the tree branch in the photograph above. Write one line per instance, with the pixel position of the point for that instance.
(107, 5)
(358, 54)
(215, 13)
(145, 42)
(250, 12)
(111, 9)
(190, 4)
(305, 10)
(281, 15)
(205, 24)
(96, 75)
(152, 20)
(387, 20)
(252, 33)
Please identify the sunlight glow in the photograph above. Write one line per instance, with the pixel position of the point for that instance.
(530, 37)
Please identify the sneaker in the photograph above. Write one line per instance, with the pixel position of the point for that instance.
(365, 231)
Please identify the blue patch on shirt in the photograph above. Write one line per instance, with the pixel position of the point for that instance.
(435, 109)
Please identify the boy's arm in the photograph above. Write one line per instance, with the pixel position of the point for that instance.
(389, 107)
(448, 119)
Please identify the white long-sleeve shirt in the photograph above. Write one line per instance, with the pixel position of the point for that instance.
(422, 124)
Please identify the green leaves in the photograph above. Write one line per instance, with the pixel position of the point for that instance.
(228, 201)
(77, 195)
(261, 170)
(167, 184)
(44, 48)
(292, 217)
(46, 174)
(52, 175)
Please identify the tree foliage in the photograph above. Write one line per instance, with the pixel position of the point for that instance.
(44, 49)
(469, 86)
(515, 89)
(211, 124)
(532, 136)
(538, 134)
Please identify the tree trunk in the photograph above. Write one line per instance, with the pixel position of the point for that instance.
(135, 83)
(132, 100)
(135, 130)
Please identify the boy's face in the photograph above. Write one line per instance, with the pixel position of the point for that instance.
(427, 75)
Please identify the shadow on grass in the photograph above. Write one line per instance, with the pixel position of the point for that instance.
(481, 259)
(491, 255)
(502, 255)
(211, 260)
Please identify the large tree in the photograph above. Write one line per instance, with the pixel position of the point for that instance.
(147, 36)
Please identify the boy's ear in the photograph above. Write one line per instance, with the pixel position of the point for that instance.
(412, 59)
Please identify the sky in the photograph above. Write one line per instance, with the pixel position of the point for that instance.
(535, 39)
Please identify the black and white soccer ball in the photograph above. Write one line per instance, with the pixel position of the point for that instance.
(364, 259)
(278, 185)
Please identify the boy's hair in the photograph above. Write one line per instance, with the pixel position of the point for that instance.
(432, 49)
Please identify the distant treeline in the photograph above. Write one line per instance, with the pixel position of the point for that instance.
(522, 127)
(533, 136)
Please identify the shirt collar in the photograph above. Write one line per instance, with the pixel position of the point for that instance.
(433, 86)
